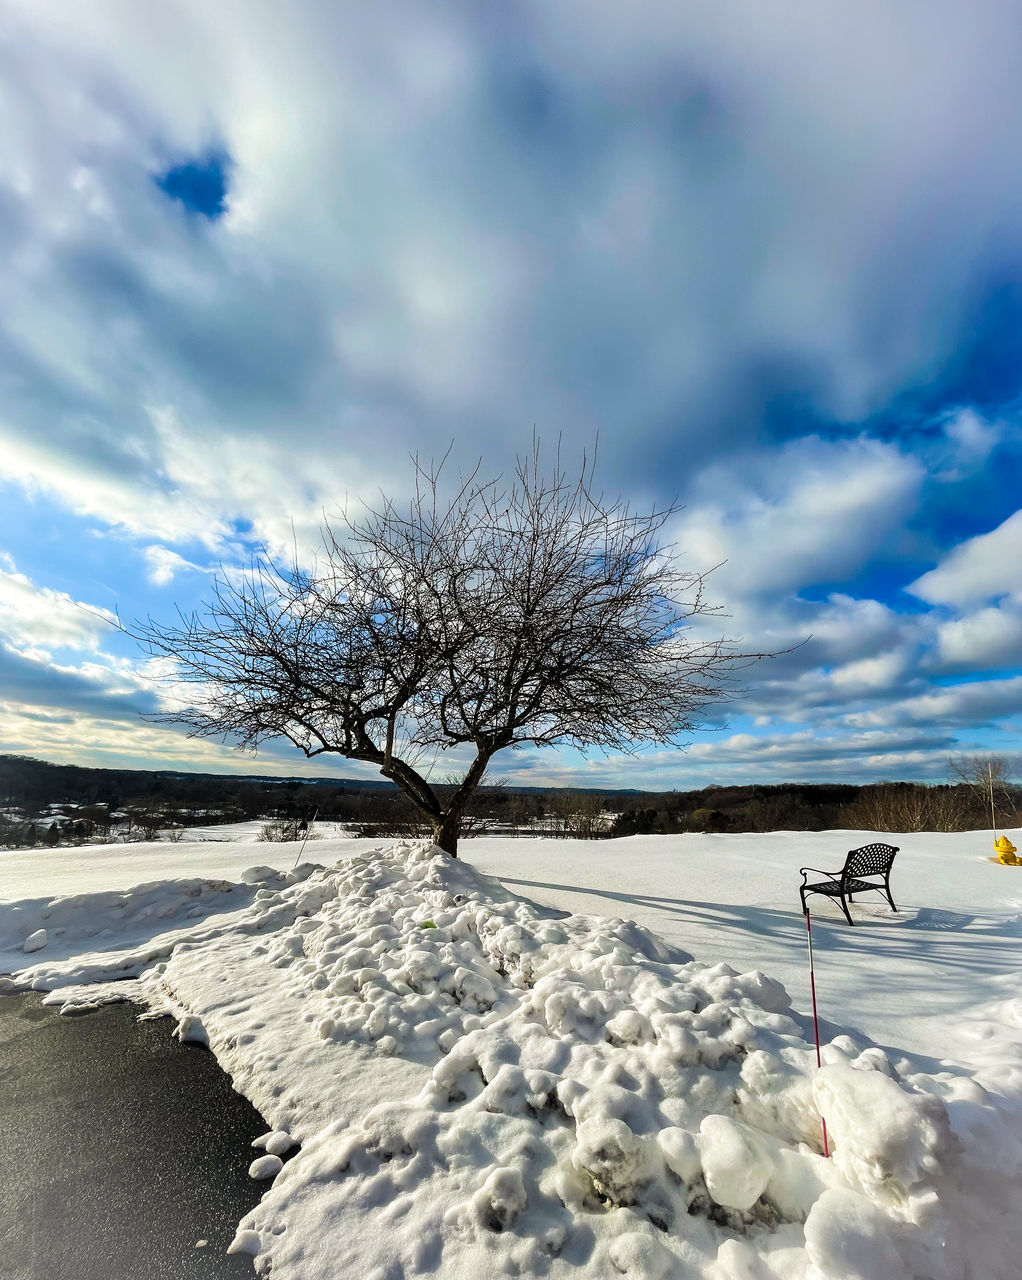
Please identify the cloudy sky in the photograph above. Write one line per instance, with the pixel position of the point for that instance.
(257, 254)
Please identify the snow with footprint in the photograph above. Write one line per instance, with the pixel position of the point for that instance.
(481, 1086)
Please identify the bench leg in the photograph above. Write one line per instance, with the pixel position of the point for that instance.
(887, 890)
(844, 908)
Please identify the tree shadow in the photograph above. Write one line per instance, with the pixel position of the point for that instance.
(777, 922)
(929, 952)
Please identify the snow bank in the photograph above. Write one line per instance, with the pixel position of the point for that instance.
(482, 1088)
(92, 937)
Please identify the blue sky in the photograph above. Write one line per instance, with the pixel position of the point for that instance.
(770, 255)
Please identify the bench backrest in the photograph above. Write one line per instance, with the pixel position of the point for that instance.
(870, 860)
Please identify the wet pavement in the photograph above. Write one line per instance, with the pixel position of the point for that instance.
(120, 1149)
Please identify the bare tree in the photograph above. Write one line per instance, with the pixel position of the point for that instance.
(989, 777)
(531, 611)
(580, 815)
(147, 823)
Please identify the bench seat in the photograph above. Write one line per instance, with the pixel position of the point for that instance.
(871, 860)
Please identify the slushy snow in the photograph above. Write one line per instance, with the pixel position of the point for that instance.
(485, 1085)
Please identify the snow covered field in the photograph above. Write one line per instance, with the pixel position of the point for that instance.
(483, 1083)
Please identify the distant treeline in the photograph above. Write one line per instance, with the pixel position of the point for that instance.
(36, 784)
(163, 798)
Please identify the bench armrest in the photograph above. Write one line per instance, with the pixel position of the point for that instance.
(834, 875)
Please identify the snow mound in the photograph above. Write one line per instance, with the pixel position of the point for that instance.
(593, 1101)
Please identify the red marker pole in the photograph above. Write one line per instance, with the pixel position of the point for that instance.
(308, 832)
(816, 1021)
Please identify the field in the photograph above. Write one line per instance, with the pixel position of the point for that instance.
(600, 1059)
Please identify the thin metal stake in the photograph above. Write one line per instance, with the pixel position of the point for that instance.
(816, 1021)
(308, 832)
(990, 779)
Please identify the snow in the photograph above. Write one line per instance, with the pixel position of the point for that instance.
(923, 980)
(483, 1084)
(265, 1167)
(276, 1143)
(210, 853)
(191, 1030)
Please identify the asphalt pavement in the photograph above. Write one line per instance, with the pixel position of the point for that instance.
(120, 1150)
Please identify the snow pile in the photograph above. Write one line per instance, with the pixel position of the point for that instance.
(481, 1088)
(592, 1104)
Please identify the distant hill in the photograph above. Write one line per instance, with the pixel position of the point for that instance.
(33, 785)
(25, 781)
(28, 788)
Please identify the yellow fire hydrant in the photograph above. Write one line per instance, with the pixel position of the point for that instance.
(1006, 852)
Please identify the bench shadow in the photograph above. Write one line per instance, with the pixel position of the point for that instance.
(936, 918)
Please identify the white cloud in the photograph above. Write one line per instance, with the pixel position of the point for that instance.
(883, 672)
(971, 440)
(128, 741)
(49, 734)
(576, 219)
(958, 706)
(37, 618)
(807, 747)
(162, 565)
(982, 568)
(846, 629)
(52, 655)
(815, 512)
(911, 751)
(982, 641)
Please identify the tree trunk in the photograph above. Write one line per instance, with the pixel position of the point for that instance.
(447, 827)
(446, 832)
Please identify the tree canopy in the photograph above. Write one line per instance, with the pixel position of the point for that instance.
(527, 611)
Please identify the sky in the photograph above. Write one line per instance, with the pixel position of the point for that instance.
(257, 256)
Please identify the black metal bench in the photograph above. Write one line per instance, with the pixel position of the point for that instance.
(872, 860)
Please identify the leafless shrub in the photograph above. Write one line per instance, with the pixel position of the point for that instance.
(909, 806)
(281, 830)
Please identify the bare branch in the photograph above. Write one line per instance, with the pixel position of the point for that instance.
(532, 611)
